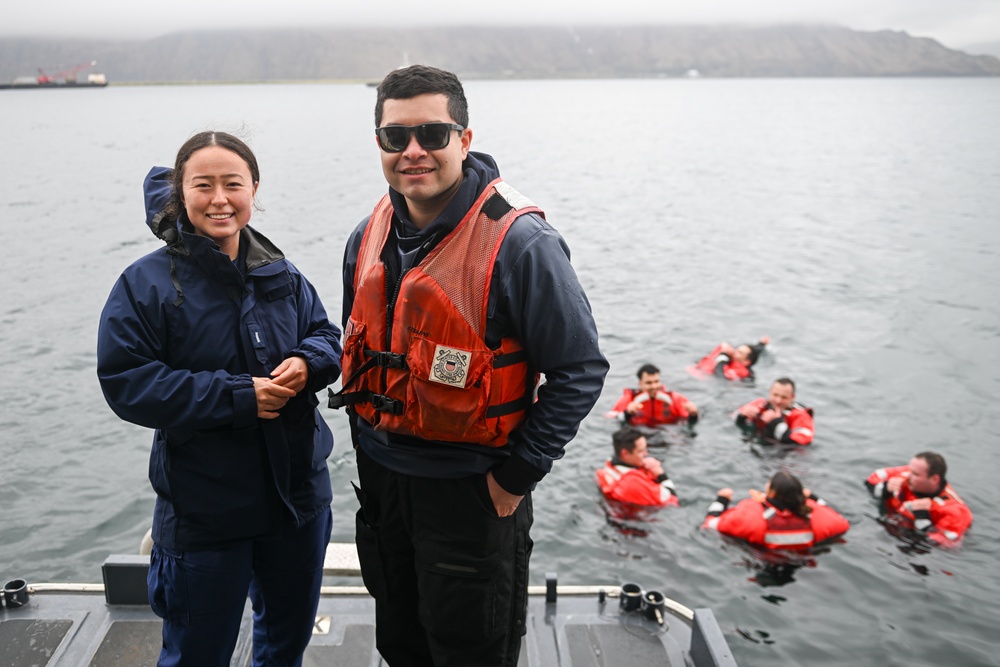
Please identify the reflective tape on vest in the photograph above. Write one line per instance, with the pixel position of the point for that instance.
(612, 472)
(792, 538)
(664, 398)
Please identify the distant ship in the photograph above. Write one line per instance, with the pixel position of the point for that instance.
(65, 79)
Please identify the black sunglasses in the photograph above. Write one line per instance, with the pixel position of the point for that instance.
(431, 136)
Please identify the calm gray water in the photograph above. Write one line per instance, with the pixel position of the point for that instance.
(854, 221)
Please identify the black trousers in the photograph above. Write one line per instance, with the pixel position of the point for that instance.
(449, 576)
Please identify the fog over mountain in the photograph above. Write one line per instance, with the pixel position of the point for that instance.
(984, 49)
(483, 52)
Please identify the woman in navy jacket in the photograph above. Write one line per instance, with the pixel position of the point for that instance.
(219, 343)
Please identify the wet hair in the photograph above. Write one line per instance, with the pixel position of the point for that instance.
(408, 82)
(754, 354)
(787, 490)
(647, 369)
(935, 464)
(787, 382)
(625, 439)
(203, 140)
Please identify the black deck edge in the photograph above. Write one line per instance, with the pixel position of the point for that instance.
(708, 644)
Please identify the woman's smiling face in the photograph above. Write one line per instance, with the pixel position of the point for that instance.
(218, 192)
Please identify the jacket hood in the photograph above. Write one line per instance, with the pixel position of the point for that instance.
(484, 166)
(156, 190)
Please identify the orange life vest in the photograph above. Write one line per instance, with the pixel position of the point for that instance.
(949, 515)
(418, 364)
(666, 407)
(732, 370)
(786, 530)
(634, 485)
(764, 524)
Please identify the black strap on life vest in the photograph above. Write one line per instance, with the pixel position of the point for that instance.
(509, 359)
(381, 402)
(510, 407)
(523, 402)
(496, 207)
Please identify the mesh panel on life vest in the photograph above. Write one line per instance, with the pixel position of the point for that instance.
(371, 249)
(463, 266)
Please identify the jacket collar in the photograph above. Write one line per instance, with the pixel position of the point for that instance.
(256, 248)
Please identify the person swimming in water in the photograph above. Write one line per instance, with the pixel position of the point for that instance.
(783, 516)
(652, 404)
(919, 496)
(731, 363)
(778, 418)
(631, 475)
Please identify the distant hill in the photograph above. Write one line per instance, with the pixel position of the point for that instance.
(481, 52)
(984, 49)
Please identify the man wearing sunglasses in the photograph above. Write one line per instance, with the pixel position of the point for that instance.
(457, 295)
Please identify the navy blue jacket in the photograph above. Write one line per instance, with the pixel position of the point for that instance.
(535, 296)
(181, 337)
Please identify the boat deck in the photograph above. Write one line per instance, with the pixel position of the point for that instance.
(76, 626)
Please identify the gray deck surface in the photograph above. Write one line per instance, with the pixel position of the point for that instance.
(59, 629)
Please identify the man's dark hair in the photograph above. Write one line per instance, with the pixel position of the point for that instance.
(647, 369)
(407, 82)
(935, 464)
(201, 140)
(754, 354)
(787, 382)
(625, 439)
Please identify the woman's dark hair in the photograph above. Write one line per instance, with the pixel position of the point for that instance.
(788, 495)
(203, 140)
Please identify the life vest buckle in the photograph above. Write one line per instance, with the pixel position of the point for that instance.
(340, 399)
(336, 400)
(383, 403)
(387, 359)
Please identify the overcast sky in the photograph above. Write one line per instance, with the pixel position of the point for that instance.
(955, 23)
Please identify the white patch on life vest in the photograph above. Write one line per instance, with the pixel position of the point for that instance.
(512, 196)
(450, 366)
(797, 537)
